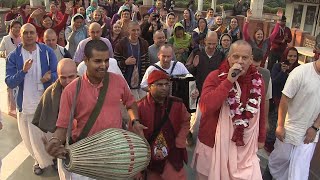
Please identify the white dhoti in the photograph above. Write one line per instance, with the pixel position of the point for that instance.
(290, 162)
(32, 138)
(195, 122)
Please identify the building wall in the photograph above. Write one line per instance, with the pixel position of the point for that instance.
(290, 14)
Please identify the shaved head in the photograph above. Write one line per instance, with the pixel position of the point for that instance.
(67, 71)
(49, 32)
(212, 34)
(211, 42)
(28, 35)
(159, 38)
(28, 25)
(50, 38)
(240, 43)
(94, 25)
(95, 31)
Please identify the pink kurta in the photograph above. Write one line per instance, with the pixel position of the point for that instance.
(231, 162)
(110, 114)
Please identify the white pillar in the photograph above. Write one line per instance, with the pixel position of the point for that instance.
(35, 3)
(257, 8)
(214, 5)
(47, 4)
(200, 5)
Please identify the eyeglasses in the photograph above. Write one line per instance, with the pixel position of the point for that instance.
(158, 85)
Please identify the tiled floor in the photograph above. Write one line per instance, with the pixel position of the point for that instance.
(16, 162)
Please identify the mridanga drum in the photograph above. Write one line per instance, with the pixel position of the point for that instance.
(109, 154)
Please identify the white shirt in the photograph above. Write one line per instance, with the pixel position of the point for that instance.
(32, 88)
(113, 67)
(303, 89)
(7, 46)
(179, 69)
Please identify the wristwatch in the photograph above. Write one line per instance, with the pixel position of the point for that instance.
(134, 121)
(313, 127)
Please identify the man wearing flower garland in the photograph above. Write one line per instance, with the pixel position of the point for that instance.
(232, 125)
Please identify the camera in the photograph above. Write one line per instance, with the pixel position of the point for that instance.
(286, 62)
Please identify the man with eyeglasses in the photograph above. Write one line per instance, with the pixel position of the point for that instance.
(31, 67)
(168, 124)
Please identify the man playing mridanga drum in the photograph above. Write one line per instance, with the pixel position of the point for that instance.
(168, 123)
(92, 82)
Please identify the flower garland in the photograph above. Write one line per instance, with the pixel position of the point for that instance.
(242, 113)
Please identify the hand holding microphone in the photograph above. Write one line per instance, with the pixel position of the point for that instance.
(234, 72)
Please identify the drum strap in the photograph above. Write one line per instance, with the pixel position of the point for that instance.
(73, 107)
(97, 108)
(93, 116)
(165, 118)
(173, 66)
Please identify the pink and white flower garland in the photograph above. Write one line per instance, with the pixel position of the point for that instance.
(242, 113)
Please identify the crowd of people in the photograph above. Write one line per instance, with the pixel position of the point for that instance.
(250, 88)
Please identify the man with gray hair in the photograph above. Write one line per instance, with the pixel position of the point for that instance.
(232, 125)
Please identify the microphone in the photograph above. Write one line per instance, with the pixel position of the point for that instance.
(235, 72)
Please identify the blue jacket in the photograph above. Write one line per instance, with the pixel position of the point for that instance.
(15, 75)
